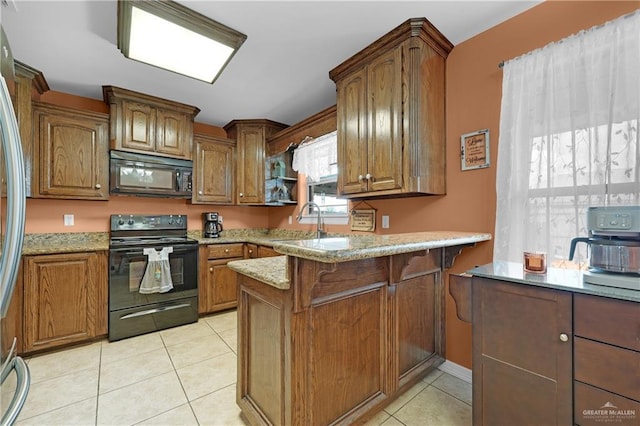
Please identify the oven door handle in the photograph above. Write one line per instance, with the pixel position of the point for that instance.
(178, 249)
(156, 310)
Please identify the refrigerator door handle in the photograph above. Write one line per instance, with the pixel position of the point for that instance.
(20, 395)
(16, 194)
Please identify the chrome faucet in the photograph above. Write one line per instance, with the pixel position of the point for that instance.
(320, 232)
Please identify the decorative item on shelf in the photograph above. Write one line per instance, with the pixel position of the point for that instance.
(363, 219)
(474, 150)
(279, 168)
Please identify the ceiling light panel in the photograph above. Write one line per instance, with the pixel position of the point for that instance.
(170, 36)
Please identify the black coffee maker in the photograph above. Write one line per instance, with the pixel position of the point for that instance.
(212, 224)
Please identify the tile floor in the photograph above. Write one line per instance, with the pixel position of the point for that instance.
(186, 376)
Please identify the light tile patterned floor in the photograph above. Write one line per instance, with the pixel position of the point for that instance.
(186, 376)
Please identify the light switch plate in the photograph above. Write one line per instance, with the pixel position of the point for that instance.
(68, 220)
(385, 221)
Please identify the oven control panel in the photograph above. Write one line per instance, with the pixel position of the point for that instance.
(131, 222)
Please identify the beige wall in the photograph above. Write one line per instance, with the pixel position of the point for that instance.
(473, 102)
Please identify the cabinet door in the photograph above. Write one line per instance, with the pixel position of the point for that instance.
(73, 154)
(352, 133)
(65, 299)
(384, 141)
(213, 171)
(264, 251)
(139, 126)
(416, 298)
(522, 355)
(173, 134)
(221, 285)
(251, 251)
(251, 155)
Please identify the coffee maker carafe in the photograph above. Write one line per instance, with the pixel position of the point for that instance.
(212, 224)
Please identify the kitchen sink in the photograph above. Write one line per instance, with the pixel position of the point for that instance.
(329, 243)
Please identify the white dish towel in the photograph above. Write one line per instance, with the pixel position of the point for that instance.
(157, 276)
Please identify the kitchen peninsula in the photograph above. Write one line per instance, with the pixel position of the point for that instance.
(339, 327)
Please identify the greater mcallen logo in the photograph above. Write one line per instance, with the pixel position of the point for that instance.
(609, 413)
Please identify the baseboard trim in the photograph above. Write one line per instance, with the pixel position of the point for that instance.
(456, 370)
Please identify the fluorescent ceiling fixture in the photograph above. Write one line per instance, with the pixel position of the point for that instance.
(170, 36)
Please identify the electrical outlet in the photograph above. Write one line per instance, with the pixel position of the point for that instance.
(219, 219)
(68, 220)
(385, 221)
(290, 219)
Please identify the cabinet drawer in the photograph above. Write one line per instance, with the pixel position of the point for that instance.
(607, 367)
(222, 251)
(589, 407)
(607, 320)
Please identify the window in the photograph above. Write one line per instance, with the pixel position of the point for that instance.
(571, 171)
(325, 194)
(317, 160)
(568, 140)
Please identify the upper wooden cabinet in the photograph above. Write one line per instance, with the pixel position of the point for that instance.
(391, 114)
(250, 136)
(318, 124)
(149, 125)
(72, 153)
(213, 166)
(28, 83)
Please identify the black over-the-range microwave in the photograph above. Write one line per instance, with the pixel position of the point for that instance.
(149, 175)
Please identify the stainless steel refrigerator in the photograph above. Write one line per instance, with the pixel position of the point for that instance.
(14, 373)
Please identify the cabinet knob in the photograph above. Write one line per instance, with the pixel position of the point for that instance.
(98, 186)
(241, 195)
(210, 269)
(250, 251)
(360, 178)
(368, 176)
(200, 192)
(226, 250)
(564, 337)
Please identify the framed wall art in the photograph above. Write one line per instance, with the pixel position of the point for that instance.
(474, 150)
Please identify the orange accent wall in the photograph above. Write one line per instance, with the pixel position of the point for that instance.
(474, 89)
(473, 102)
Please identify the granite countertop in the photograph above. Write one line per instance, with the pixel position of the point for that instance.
(273, 270)
(77, 242)
(335, 248)
(559, 279)
(68, 242)
(269, 270)
(354, 247)
(261, 236)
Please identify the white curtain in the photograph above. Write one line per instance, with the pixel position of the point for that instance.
(315, 157)
(568, 139)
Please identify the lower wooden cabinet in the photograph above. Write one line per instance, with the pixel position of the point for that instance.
(65, 299)
(544, 356)
(254, 251)
(522, 355)
(343, 341)
(606, 355)
(218, 284)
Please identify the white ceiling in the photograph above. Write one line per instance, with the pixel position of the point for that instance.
(280, 73)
